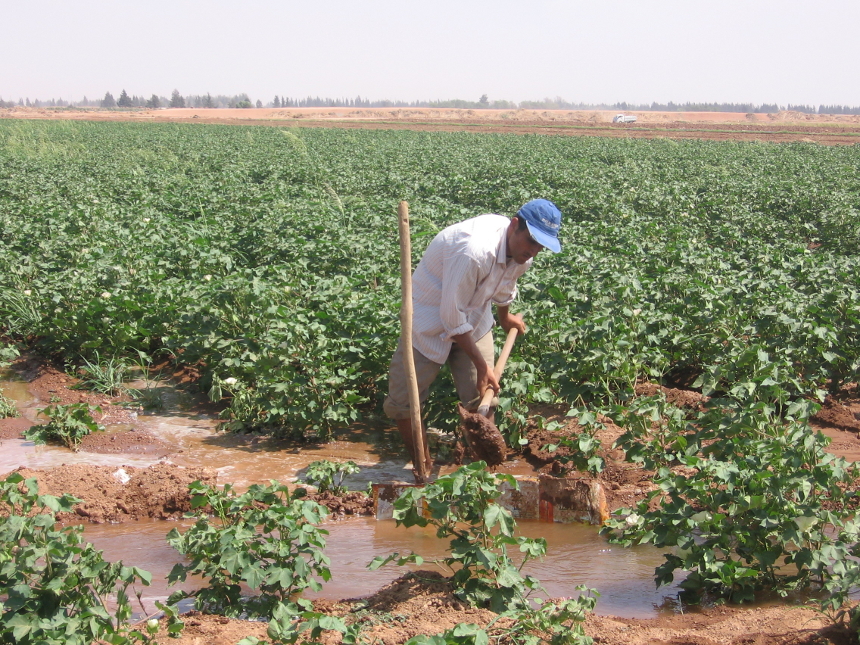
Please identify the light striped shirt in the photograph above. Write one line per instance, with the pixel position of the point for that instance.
(464, 269)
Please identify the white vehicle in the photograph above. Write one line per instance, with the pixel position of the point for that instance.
(623, 118)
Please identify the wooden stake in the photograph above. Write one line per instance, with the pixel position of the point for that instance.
(418, 458)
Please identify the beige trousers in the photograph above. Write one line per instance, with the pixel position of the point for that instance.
(463, 370)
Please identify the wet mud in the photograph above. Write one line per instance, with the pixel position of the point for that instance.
(483, 439)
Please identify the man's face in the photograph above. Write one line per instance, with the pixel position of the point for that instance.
(521, 245)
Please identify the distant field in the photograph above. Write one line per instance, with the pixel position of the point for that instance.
(782, 126)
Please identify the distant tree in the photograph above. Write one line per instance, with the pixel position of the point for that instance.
(259, 103)
(176, 100)
(208, 102)
(108, 101)
(124, 100)
(484, 101)
(153, 103)
(277, 102)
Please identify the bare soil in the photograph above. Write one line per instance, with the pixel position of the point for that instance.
(121, 494)
(422, 603)
(782, 126)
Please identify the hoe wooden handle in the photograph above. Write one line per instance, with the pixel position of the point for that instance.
(484, 406)
(418, 459)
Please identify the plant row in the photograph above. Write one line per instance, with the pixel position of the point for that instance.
(268, 259)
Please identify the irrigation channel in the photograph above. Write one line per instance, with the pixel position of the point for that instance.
(577, 555)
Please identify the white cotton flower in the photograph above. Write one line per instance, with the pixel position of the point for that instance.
(27, 292)
(805, 522)
(636, 312)
(632, 519)
(207, 277)
(230, 381)
(105, 294)
(146, 220)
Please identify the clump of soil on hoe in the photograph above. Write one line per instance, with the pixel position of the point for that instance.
(483, 437)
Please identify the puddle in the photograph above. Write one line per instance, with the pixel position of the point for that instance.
(15, 390)
(577, 555)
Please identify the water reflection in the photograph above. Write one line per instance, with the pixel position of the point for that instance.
(577, 555)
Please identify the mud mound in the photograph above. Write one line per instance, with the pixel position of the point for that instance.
(426, 597)
(13, 427)
(133, 441)
(485, 440)
(835, 414)
(679, 398)
(112, 494)
(352, 503)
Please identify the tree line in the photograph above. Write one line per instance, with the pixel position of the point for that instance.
(177, 100)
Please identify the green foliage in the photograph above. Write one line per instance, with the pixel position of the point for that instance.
(266, 539)
(657, 432)
(328, 475)
(68, 425)
(7, 407)
(269, 256)
(749, 508)
(106, 375)
(57, 588)
(462, 506)
(556, 623)
(461, 634)
(8, 353)
(583, 448)
(837, 604)
(291, 624)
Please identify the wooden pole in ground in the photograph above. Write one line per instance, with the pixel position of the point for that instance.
(418, 458)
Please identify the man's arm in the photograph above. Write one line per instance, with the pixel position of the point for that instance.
(486, 378)
(508, 320)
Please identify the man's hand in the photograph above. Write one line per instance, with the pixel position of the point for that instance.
(510, 321)
(486, 378)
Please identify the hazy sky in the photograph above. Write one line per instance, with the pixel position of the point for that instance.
(758, 51)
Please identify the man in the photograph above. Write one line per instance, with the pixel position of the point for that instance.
(467, 267)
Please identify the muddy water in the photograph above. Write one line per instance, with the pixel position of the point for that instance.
(577, 555)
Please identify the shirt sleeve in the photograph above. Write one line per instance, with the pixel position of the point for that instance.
(459, 281)
(506, 294)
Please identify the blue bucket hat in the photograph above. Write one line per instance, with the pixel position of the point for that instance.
(543, 220)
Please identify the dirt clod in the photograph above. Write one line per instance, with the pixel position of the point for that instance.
(485, 440)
